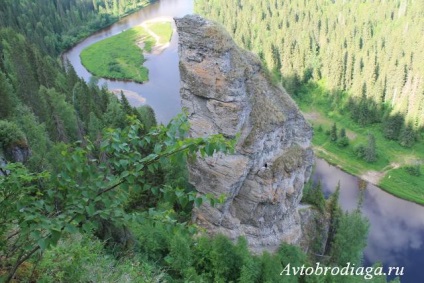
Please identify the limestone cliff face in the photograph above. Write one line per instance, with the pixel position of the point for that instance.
(225, 90)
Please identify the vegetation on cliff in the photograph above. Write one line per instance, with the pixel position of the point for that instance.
(363, 72)
(58, 25)
(104, 195)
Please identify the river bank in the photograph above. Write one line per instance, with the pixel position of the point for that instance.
(121, 57)
(390, 169)
(396, 229)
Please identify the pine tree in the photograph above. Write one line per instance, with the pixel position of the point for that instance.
(342, 132)
(407, 136)
(343, 140)
(126, 105)
(5, 97)
(335, 212)
(333, 133)
(350, 239)
(392, 125)
(370, 149)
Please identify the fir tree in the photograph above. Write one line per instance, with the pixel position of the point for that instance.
(407, 136)
(333, 133)
(392, 125)
(370, 154)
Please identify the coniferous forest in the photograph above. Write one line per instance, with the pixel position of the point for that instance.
(358, 64)
(367, 48)
(94, 190)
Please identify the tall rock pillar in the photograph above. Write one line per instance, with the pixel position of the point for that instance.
(225, 90)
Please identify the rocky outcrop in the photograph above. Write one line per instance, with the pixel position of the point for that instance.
(18, 153)
(315, 227)
(3, 163)
(225, 90)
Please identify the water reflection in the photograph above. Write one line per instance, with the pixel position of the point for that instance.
(162, 90)
(397, 226)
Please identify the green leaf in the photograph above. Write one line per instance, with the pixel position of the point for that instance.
(70, 228)
(198, 202)
(90, 209)
(43, 243)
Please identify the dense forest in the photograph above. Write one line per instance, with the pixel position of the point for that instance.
(370, 49)
(92, 190)
(57, 25)
(355, 68)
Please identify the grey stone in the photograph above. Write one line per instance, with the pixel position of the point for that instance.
(225, 90)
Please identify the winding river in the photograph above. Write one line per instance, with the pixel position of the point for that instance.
(397, 226)
(162, 90)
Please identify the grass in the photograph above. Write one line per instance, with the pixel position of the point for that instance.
(120, 57)
(391, 154)
(161, 29)
(400, 183)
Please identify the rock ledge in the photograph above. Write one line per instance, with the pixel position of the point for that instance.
(225, 90)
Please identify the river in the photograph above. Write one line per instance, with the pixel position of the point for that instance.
(161, 92)
(397, 226)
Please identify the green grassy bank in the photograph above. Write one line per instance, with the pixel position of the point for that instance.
(389, 171)
(121, 56)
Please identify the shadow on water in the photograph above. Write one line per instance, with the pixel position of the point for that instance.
(397, 226)
(396, 233)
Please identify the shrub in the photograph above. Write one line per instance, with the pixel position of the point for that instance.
(11, 135)
(414, 170)
(343, 141)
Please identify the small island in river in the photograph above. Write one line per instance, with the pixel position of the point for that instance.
(119, 56)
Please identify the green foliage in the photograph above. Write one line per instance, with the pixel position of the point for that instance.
(162, 29)
(115, 116)
(121, 56)
(350, 239)
(11, 135)
(333, 133)
(342, 132)
(50, 104)
(407, 136)
(147, 116)
(89, 188)
(6, 94)
(414, 170)
(81, 258)
(392, 125)
(343, 141)
(312, 194)
(37, 137)
(333, 208)
(342, 77)
(367, 152)
(341, 43)
(63, 123)
(396, 180)
(64, 22)
(370, 151)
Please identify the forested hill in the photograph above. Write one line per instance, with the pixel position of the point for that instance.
(57, 25)
(42, 104)
(371, 49)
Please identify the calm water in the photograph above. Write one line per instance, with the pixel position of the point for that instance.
(162, 90)
(397, 226)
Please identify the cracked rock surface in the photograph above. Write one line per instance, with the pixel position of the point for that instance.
(225, 90)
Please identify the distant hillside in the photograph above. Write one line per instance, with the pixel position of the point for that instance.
(371, 49)
(57, 25)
